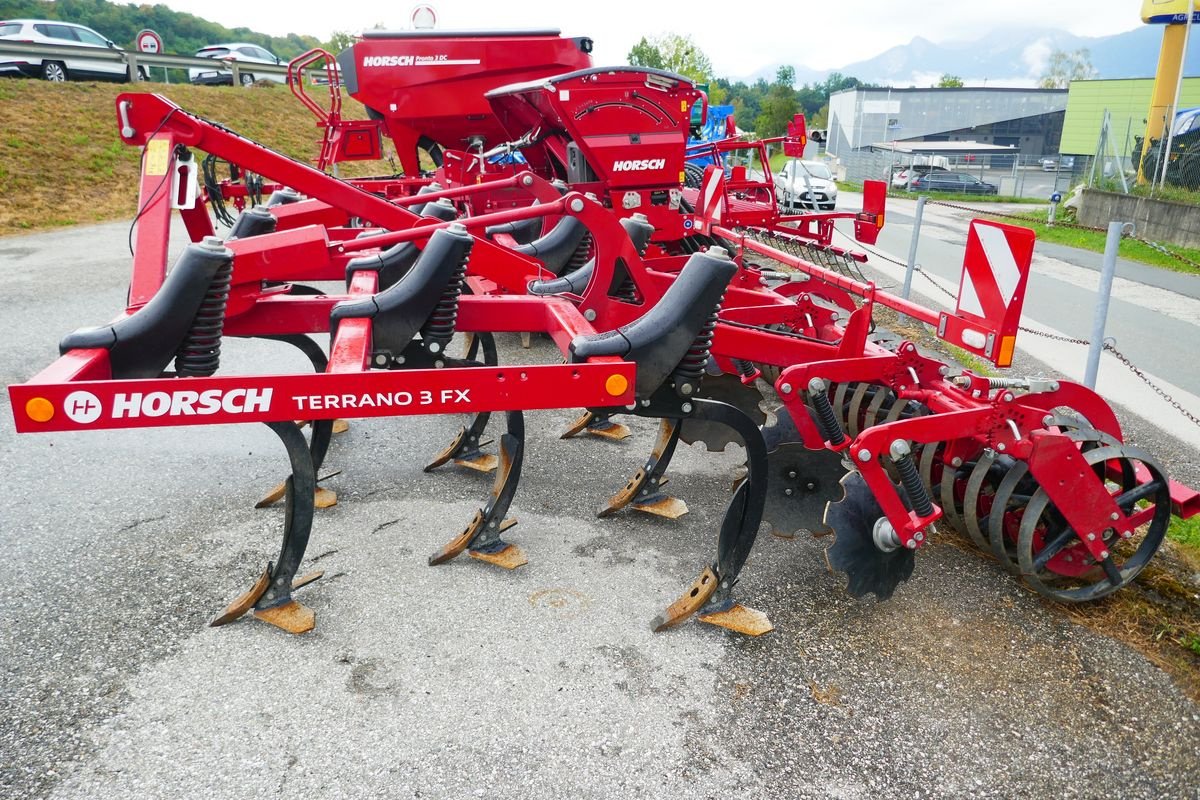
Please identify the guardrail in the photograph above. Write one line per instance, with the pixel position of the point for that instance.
(133, 59)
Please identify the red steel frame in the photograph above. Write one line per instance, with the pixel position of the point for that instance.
(966, 416)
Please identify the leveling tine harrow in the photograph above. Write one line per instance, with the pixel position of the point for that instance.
(669, 315)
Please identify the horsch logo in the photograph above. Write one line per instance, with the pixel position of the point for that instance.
(84, 407)
(639, 164)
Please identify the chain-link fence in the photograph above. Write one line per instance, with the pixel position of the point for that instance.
(1019, 175)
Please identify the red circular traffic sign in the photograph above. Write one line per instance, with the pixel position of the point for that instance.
(424, 18)
(148, 42)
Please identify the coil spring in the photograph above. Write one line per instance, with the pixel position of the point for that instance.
(439, 328)
(913, 485)
(627, 291)
(581, 255)
(200, 354)
(827, 421)
(1008, 383)
(691, 368)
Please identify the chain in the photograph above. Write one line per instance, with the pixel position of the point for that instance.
(1124, 359)
(1162, 249)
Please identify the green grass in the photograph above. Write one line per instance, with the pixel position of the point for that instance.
(1094, 241)
(1186, 534)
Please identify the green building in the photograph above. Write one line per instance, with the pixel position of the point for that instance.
(1127, 100)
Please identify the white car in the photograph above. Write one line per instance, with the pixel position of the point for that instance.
(805, 185)
(247, 55)
(60, 68)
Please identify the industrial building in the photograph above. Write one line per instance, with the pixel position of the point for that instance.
(1029, 120)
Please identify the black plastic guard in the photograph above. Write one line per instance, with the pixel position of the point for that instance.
(659, 339)
(555, 249)
(252, 222)
(141, 345)
(400, 311)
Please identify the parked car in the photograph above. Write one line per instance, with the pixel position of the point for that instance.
(59, 68)
(900, 176)
(247, 55)
(805, 185)
(1055, 164)
(957, 182)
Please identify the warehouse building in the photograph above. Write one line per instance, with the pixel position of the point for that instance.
(1028, 120)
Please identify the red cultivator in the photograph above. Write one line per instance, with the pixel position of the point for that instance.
(661, 301)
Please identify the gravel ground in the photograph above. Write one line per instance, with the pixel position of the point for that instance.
(465, 680)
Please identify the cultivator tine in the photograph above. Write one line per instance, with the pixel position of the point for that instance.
(464, 450)
(481, 538)
(318, 446)
(270, 597)
(596, 425)
(643, 491)
(739, 528)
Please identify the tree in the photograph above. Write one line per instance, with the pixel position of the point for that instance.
(786, 76)
(339, 41)
(948, 81)
(1065, 67)
(674, 53)
(777, 111)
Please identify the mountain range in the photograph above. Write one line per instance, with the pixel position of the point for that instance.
(1011, 57)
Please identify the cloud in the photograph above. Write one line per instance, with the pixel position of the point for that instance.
(1037, 56)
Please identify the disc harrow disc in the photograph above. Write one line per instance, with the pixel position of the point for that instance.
(853, 552)
(730, 390)
(801, 483)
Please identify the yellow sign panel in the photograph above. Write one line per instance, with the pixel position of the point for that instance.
(158, 153)
(1165, 12)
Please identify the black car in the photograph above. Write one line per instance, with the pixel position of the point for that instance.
(956, 182)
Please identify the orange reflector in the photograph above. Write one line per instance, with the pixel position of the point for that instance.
(39, 409)
(1007, 345)
(616, 385)
(879, 221)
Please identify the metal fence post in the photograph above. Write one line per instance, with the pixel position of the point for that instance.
(912, 252)
(131, 65)
(1104, 294)
(237, 75)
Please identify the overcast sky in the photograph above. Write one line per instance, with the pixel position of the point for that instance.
(823, 35)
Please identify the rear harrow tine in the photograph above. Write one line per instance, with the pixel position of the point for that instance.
(874, 406)
(643, 490)
(860, 391)
(481, 538)
(839, 404)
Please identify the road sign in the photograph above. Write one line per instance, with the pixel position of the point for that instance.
(148, 41)
(424, 18)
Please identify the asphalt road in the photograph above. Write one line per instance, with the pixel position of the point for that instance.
(465, 681)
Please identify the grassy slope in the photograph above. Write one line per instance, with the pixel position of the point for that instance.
(62, 163)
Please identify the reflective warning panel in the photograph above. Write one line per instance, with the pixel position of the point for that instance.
(991, 291)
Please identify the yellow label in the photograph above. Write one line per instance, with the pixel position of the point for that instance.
(683, 105)
(158, 154)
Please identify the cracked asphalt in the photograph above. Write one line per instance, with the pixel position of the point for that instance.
(468, 681)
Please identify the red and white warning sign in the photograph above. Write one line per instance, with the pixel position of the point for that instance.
(991, 290)
(712, 196)
(148, 41)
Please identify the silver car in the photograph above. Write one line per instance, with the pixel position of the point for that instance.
(247, 55)
(59, 68)
(804, 185)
